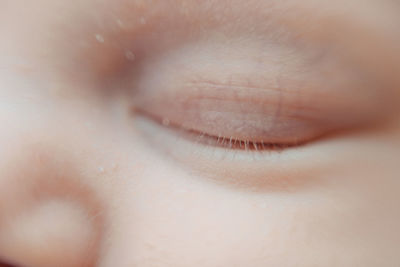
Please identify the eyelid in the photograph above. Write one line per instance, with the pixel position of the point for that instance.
(249, 112)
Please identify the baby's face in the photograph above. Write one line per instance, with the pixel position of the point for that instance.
(199, 133)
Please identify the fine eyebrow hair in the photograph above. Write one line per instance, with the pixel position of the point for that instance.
(344, 25)
(308, 17)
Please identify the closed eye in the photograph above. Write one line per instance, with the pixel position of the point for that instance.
(285, 98)
(227, 142)
(250, 117)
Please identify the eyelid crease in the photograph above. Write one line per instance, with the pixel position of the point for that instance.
(298, 103)
(240, 93)
(303, 99)
(230, 85)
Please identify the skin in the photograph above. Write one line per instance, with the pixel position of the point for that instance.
(85, 181)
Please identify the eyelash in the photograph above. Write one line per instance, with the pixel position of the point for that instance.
(233, 143)
(206, 139)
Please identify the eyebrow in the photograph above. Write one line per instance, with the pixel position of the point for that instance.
(301, 16)
(366, 37)
(342, 23)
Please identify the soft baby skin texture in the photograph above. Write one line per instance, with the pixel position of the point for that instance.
(190, 133)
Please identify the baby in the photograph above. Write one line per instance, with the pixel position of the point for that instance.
(191, 133)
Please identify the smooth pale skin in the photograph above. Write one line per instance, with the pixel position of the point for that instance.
(80, 186)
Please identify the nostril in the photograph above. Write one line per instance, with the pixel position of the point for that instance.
(6, 265)
(52, 233)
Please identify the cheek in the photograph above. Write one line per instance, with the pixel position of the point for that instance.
(170, 216)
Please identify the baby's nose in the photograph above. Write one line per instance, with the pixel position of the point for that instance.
(48, 217)
(52, 233)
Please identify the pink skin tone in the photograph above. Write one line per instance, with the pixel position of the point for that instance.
(199, 133)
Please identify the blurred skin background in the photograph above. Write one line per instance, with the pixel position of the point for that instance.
(199, 133)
